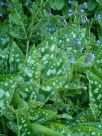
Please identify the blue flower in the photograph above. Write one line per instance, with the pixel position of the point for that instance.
(84, 20)
(92, 57)
(2, 3)
(89, 58)
(97, 17)
(52, 30)
(85, 5)
(82, 10)
(1, 15)
(72, 60)
(70, 13)
(78, 41)
(98, 42)
(83, 49)
(69, 1)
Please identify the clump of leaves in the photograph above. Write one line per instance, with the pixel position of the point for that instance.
(50, 68)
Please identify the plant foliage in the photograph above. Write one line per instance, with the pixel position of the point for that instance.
(51, 68)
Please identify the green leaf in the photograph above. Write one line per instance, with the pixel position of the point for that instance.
(3, 29)
(86, 116)
(57, 4)
(92, 4)
(95, 92)
(100, 2)
(16, 57)
(87, 129)
(24, 127)
(42, 130)
(17, 32)
(62, 129)
(30, 74)
(14, 18)
(42, 115)
(7, 90)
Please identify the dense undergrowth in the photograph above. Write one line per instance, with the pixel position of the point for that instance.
(51, 68)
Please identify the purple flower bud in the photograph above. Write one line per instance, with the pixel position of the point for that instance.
(72, 60)
(82, 10)
(85, 5)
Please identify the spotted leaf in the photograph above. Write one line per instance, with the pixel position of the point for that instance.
(87, 129)
(95, 91)
(60, 128)
(29, 78)
(41, 115)
(24, 127)
(7, 90)
(16, 57)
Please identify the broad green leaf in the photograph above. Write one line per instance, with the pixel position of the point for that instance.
(17, 32)
(16, 57)
(100, 2)
(57, 4)
(24, 126)
(62, 129)
(7, 90)
(86, 116)
(92, 4)
(3, 29)
(12, 126)
(4, 54)
(95, 91)
(87, 129)
(15, 19)
(45, 131)
(53, 84)
(42, 115)
(30, 74)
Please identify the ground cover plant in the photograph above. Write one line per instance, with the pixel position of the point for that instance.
(50, 67)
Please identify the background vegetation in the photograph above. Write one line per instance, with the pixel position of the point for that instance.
(51, 67)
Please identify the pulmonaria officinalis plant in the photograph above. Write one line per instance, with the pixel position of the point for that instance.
(50, 68)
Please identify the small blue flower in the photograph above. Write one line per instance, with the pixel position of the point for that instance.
(52, 30)
(69, 1)
(70, 13)
(89, 58)
(98, 42)
(1, 15)
(84, 20)
(78, 41)
(92, 57)
(83, 49)
(85, 5)
(82, 10)
(2, 3)
(97, 17)
(72, 60)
